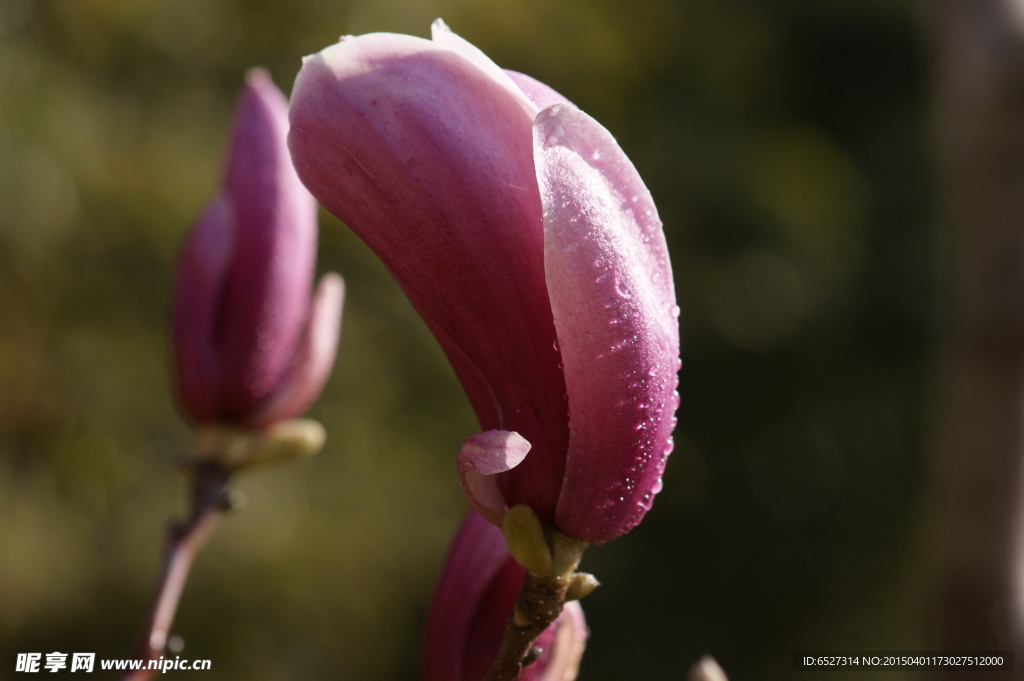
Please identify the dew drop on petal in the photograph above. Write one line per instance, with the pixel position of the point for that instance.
(621, 289)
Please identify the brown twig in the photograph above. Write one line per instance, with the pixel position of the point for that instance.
(539, 605)
(184, 541)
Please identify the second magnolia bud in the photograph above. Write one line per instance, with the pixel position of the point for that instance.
(250, 346)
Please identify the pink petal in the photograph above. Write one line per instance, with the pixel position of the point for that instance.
(566, 647)
(266, 295)
(613, 299)
(314, 357)
(483, 456)
(430, 161)
(443, 37)
(541, 94)
(201, 271)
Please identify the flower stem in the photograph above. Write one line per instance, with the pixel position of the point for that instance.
(184, 541)
(539, 605)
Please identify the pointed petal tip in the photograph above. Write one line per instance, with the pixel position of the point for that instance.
(494, 451)
(481, 457)
(258, 76)
(438, 26)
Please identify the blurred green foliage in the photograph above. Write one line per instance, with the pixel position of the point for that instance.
(785, 145)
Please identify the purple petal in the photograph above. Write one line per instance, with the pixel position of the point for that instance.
(483, 456)
(430, 161)
(463, 616)
(314, 356)
(266, 295)
(613, 299)
(201, 271)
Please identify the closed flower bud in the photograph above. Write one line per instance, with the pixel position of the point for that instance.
(529, 244)
(250, 345)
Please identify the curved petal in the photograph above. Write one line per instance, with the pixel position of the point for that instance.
(314, 356)
(429, 161)
(541, 94)
(267, 290)
(201, 270)
(613, 299)
(444, 37)
(566, 648)
(478, 565)
(481, 458)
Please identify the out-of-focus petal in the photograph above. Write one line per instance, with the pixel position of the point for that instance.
(612, 295)
(430, 161)
(481, 458)
(202, 268)
(314, 356)
(267, 290)
(566, 649)
(479, 585)
(478, 565)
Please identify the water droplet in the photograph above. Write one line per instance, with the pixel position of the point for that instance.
(657, 486)
(555, 345)
(622, 290)
(572, 246)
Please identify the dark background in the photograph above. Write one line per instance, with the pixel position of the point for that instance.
(786, 145)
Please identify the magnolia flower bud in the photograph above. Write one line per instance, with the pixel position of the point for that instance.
(526, 239)
(250, 347)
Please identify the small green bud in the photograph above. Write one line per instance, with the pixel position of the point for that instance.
(526, 539)
(291, 439)
(235, 448)
(583, 584)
